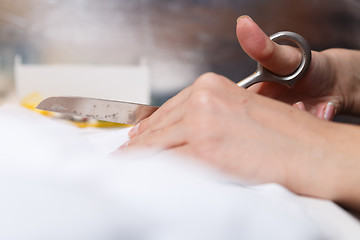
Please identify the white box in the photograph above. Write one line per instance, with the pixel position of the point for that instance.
(117, 82)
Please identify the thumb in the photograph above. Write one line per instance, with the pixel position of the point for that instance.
(279, 59)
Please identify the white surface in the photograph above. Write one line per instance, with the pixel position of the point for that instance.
(123, 83)
(61, 182)
(328, 215)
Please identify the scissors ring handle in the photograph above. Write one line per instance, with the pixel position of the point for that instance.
(264, 75)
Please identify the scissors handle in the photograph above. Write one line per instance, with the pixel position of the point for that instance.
(264, 75)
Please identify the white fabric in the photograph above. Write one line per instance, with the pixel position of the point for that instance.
(61, 182)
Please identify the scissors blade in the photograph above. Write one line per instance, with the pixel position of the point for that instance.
(100, 109)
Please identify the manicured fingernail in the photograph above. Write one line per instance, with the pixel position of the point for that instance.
(329, 111)
(300, 105)
(241, 17)
(134, 131)
(123, 146)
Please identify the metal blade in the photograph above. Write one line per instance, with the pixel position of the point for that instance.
(100, 109)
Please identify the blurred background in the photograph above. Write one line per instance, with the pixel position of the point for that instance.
(179, 39)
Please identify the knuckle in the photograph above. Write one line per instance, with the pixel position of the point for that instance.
(142, 126)
(208, 79)
(266, 55)
(203, 98)
(143, 141)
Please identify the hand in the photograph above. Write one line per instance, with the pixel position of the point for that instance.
(324, 91)
(246, 134)
(259, 139)
(236, 130)
(255, 138)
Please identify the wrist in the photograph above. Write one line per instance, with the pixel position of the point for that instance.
(310, 173)
(331, 167)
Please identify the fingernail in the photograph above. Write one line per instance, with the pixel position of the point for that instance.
(320, 111)
(300, 105)
(329, 111)
(241, 17)
(134, 131)
(124, 145)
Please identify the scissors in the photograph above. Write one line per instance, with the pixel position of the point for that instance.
(133, 113)
(264, 75)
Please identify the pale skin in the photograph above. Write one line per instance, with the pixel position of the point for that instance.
(269, 133)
